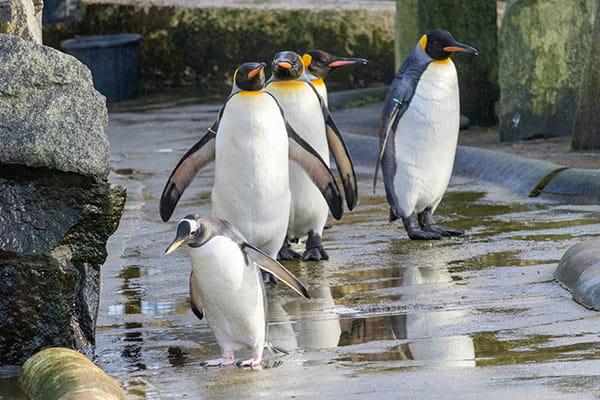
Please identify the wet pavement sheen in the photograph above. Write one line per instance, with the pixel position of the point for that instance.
(473, 317)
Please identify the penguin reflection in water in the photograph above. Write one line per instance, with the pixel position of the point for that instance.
(419, 134)
(227, 282)
(251, 144)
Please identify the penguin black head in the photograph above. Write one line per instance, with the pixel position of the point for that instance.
(438, 44)
(320, 63)
(287, 66)
(195, 230)
(250, 76)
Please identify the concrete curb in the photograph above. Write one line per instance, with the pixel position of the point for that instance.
(579, 271)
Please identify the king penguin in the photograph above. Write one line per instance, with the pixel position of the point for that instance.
(227, 281)
(318, 64)
(251, 148)
(419, 134)
(308, 115)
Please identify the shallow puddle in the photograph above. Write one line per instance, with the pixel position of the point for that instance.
(477, 316)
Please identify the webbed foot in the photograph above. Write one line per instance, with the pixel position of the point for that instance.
(415, 232)
(225, 359)
(286, 252)
(427, 223)
(314, 248)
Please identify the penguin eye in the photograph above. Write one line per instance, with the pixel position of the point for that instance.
(193, 233)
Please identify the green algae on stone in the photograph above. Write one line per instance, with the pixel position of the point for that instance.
(60, 373)
(544, 46)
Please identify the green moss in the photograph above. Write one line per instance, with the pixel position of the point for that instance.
(6, 27)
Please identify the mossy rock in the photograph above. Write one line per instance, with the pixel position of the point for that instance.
(544, 44)
(202, 47)
(53, 231)
(60, 373)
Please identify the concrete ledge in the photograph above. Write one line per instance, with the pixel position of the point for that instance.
(519, 174)
(579, 271)
(574, 186)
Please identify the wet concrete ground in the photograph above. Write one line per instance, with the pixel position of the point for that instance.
(474, 317)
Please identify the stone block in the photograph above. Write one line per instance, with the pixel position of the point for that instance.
(544, 45)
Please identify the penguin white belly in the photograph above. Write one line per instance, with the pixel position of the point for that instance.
(425, 140)
(302, 110)
(232, 294)
(251, 188)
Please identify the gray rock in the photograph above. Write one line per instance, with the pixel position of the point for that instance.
(22, 18)
(51, 114)
(53, 231)
(579, 271)
(544, 45)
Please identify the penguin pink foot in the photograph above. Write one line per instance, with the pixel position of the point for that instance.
(252, 361)
(226, 359)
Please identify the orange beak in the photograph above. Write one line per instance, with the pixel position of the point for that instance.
(284, 64)
(253, 73)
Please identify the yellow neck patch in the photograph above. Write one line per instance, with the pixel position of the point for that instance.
(318, 82)
(293, 83)
(251, 92)
(306, 59)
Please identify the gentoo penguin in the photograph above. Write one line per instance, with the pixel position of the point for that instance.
(309, 116)
(419, 133)
(318, 64)
(251, 148)
(226, 279)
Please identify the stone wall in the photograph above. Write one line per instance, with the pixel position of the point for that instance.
(202, 47)
(545, 44)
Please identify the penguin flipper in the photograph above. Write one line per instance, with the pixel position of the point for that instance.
(195, 299)
(196, 158)
(268, 264)
(342, 160)
(302, 153)
(387, 129)
(339, 151)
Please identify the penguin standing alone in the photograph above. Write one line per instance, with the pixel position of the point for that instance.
(252, 147)
(419, 134)
(227, 281)
(318, 64)
(309, 116)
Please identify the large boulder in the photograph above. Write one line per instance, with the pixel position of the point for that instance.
(472, 23)
(56, 208)
(51, 114)
(544, 45)
(22, 18)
